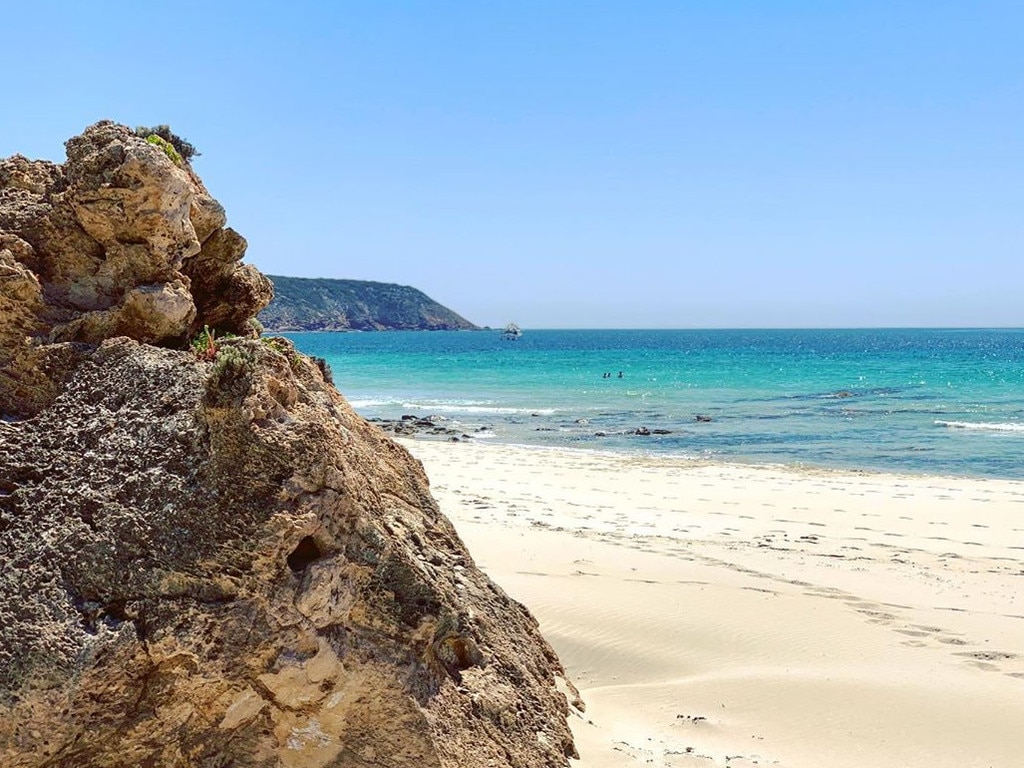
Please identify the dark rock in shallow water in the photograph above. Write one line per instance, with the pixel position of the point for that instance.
(415, 425)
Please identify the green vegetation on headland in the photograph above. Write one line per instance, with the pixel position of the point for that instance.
(323, 304)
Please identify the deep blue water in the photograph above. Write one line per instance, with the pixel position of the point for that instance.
(925, 401)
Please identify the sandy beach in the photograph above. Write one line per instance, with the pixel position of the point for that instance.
(716, 615)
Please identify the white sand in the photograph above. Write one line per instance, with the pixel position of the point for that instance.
(719, 615)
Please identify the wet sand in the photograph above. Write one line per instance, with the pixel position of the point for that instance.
(718, 615)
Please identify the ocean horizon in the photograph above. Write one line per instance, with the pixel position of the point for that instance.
(938, 401)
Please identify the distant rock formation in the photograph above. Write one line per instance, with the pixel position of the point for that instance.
(211, 560)
(322, 304)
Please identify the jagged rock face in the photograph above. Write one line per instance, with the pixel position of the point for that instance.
(117, 241)
(216, 562)
(212, 564)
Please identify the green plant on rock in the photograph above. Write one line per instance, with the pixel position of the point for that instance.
(284, 347)
(231, 376)
(205, 344)
(277, 344)
(182, 147)
(167, 147)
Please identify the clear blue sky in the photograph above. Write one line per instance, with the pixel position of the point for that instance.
(754, 163)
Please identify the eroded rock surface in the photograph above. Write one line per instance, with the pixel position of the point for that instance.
(119, 240)
(218, 563)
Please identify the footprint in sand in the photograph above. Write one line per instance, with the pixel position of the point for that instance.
(878, 617)
(987, 655)
(826, 592)
(984, 665)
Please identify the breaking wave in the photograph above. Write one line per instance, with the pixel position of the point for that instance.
(449, 406)
(983, 426)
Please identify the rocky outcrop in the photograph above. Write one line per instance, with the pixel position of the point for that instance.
(119, 240)
(325, 304)
(214, 562)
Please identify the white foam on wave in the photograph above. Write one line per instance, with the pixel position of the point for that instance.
(475, 408)
(448, 406)
(983, 426)
(357, 404)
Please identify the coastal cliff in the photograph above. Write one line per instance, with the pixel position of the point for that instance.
(321, 304)
(209, 558)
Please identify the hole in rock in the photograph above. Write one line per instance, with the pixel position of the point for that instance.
(305, 553)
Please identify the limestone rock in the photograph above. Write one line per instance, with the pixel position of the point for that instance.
(222, 564)
(225, 292)
(114, 240)
(217, 562)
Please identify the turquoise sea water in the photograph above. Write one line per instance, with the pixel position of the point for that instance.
(945, 402)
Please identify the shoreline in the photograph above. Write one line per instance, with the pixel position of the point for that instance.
(794, 467)
(765, 614)
(437, 427)
(920, 402)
